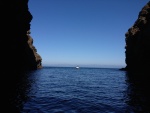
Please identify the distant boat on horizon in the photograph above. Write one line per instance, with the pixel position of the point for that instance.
(77, 67)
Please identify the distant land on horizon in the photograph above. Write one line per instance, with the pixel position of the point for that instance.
(85, 66)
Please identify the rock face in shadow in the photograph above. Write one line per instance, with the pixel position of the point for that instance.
(137, 49)
(18, 52)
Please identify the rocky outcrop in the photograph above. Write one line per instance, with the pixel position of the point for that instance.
(18, 54)
(137, 49)
(38, 58)
(18, 51)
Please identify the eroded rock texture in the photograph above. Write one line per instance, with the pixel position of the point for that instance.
(18, 51)
(138, 42)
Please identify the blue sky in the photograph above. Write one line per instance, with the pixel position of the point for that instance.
(82, 32)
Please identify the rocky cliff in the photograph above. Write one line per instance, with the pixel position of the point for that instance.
(137, 49)
(18, 51)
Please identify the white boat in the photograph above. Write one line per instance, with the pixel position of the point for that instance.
(77, 67)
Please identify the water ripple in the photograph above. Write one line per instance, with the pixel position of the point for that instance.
(68, 90)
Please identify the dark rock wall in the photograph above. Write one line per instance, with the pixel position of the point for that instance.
(137, 49)
(18, 51)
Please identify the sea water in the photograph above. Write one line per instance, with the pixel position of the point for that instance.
(71, 90)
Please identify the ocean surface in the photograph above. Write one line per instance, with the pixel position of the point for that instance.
(83, 90)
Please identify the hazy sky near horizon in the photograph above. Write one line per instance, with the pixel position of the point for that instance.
(82, 32)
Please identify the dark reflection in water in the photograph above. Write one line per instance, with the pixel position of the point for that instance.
(15, 88)
(138, 95)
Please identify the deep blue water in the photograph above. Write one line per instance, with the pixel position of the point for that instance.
(71, 90)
